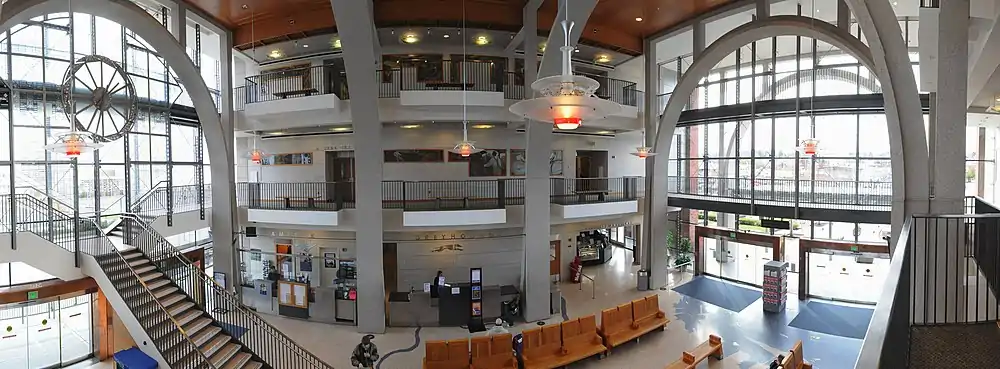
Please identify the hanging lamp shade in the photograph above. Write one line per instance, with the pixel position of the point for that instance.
(256, 156)
(465, 149)
(72, 144)
(809, 146)
(565, 100)
(643, 152)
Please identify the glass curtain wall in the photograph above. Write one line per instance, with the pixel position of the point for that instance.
(51, 334)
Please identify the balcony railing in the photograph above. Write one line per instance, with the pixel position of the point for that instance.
(820, 192)
(444, 75)
(435, 195)
(943, 277)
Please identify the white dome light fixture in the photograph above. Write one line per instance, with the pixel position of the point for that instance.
(643, 152)
(565, 100)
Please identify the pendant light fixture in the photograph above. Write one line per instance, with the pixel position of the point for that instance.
(807, 146)
(465, 148)
(74, 143)
(255, 155)
(643, 152)
(565, 100)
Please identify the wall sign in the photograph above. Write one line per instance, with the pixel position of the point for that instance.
(458, 236)
(607, 226)
(335, 148)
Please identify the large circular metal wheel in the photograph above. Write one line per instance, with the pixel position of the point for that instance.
(99, 98)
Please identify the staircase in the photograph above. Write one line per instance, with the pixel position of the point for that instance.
(192, 322)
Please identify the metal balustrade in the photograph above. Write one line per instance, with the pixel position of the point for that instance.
(820, 192)
(572, 191)
(942, 282)
(153, 203)
(445, 75)
(331, 196)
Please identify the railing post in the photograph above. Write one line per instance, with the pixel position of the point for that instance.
(338, 194)
(403, 192)
(501, 193)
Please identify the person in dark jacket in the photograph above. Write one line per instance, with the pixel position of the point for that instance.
(365, 353)
(438, 282)
(777, 362)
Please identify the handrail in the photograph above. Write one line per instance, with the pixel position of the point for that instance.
(163, 250)
(892, 298)
(593, 283)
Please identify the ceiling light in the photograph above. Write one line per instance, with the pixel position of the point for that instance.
(245, 7)
(340, 129)
(275, 54)
(482, 41)
(305, 45)
(483, 126)
(541, 47)
(638, 19)
(603, 58)
(410, 38)
(605, 132)
(335, 43)
(447, 35)
(409, 126)
(279, 133)
(576, 50)
(643, 152)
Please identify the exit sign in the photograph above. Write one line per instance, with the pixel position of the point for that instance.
(854, 248)
(732, 235)
(32, 295)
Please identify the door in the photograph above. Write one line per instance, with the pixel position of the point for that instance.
(340, 175)
(554, 258)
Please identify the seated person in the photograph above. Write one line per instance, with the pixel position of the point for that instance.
(777, 362)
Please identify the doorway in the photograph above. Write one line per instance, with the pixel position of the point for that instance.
(340, 176)
(591, 170)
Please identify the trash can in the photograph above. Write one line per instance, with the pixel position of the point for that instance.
(642, 281)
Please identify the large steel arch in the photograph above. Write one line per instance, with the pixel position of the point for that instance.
(784, 26)
(218, 137)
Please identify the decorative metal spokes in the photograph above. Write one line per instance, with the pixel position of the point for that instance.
(99, 98)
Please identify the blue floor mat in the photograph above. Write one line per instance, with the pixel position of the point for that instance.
(838, 320)
(722, 294)
(234, 330)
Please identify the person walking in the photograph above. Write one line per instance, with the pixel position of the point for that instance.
(365, 353)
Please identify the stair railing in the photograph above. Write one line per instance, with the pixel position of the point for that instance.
(268, 343)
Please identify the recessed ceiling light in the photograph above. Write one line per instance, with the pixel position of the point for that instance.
(605, 132)
(638, 19)
(482, 41)
(276, 133)
(410, 38)
(336, 43)
(576, 50)
(245, 7)
(340, 129)
(409, 126)
(482, 126)
(305, 45)
(447, 35)
(603, 58)
(274, 54)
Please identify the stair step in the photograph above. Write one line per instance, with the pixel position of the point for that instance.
(134, 262)
(131, 254)
(197, 325)
(205, 335)
(145, 269)
(253, 365)
(223, 355)
(188, 317)
(172, 299)
(150, 276)
(164, 292)
(157, 284)
(180, 308)
(214, 345)
(238, 361)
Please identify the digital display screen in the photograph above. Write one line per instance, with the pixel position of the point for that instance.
(477, 292)
(477, 309)
(477, 275)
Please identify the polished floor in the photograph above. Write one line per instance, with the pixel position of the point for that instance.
(751, 338)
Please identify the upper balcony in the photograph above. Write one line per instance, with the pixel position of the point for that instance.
(319, 95)
(439, 203)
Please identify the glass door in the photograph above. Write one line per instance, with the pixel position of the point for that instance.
(44, 344)
(75, 316)
(13, 339)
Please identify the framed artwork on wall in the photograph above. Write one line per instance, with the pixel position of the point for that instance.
(414, 156)
(330, 260)
(518, 161)
(488, 163)
(298, 158)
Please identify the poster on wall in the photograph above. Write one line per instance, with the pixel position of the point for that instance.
(300, 158)
(413, 156)
(518, 162)
(488, 163)
(330, 260)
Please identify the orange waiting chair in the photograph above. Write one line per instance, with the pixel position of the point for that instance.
(493, 352)
(630, 321)
(580, 339)
(794, 358)
(542, 347)
(453, 354)
(690, 359)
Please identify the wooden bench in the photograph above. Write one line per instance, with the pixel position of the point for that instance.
(542, 347)
(580, 339)
(493, 352)
(303, 92)
(453, 354)
(628, 322)
(310, 200)
(601, 194)
(794, 358)
(690, 359)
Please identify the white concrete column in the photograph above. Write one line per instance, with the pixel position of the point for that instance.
(652, 252)
(950, 113)
(224, 221)
(355, 22)
(536, 286)
(178, 21)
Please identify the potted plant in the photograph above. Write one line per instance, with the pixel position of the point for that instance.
(683, 252)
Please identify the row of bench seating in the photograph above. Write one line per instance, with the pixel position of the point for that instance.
(629, 321)
(794, 358)
(690, 359)
(488, 352)
(559, 345)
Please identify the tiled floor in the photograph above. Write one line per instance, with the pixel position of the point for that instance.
(751, 339)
